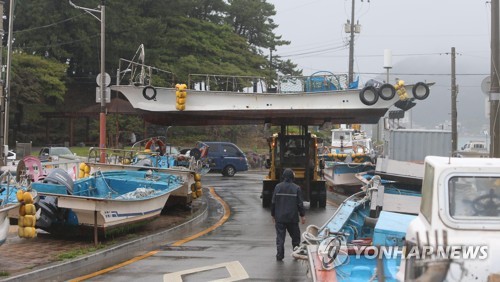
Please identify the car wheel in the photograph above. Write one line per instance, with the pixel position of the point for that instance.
(229, 171)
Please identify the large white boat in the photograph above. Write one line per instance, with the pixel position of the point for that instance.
(222, 99)
(350, 152)
(474, 149)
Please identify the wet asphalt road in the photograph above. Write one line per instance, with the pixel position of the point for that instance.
(244, 246)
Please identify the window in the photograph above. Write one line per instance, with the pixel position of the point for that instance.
(213, 148)
(471, 197)
(230, 150)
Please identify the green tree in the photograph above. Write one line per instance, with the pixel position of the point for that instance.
(37, 85)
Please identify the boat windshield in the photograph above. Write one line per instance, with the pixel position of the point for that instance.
(473, 197)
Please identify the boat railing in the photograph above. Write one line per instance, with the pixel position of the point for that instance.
(321, 81)
(234, 83)
(118, 156)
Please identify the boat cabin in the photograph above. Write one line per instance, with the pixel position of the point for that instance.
(460, 209)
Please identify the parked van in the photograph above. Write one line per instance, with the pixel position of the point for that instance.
(226, 157)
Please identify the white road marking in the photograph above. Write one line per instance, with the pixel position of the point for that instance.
(235, 269)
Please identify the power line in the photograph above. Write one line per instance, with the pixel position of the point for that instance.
(48, 25)
(336, 48)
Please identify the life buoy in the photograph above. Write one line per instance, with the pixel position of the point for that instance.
(158, 147)
(420, 91)
(386, 91)
(145, 94)
(368, 95)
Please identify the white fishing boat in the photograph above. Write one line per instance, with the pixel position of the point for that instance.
(111, 201)
(224, 99)
(350, 153)
(474, 149)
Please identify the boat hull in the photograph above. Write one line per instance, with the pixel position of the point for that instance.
(221, 107)
(101, 202)
(4, 220)
(344, 174)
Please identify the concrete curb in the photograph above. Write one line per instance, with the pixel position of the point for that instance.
(112, 256)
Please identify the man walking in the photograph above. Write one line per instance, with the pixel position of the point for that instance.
(286, 206)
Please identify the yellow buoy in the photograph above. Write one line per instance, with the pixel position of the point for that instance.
(20, 221)
(197, 177)
(29, 221)
(19, 195)
(30, 209)
(198, 193)
(198, 185)
(193, 194)
(20, 232)
(27, 198)
(87, 169)
(82, 166)
(22, 210)
(29, 232)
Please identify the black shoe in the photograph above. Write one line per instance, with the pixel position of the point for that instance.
(278, 258)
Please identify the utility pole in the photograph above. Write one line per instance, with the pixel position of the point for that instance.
(6, 89)
(102, 115)
(3, 159)
(351, 28)
(494, 87)
(454, 133)
(270, 68)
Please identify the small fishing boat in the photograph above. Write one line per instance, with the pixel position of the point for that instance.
(111, 201)
(350, 153)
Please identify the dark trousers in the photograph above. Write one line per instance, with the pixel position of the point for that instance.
(293, 230)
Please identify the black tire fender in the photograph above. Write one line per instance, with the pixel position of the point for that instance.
(368, 90)
(386, 91)
(145, 93)
(420, 91)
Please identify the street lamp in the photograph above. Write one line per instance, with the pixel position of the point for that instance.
(102, 115)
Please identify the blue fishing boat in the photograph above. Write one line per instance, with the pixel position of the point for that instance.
(111, 201)
(366, 224)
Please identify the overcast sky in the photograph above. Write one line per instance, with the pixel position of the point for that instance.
(420, 34)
